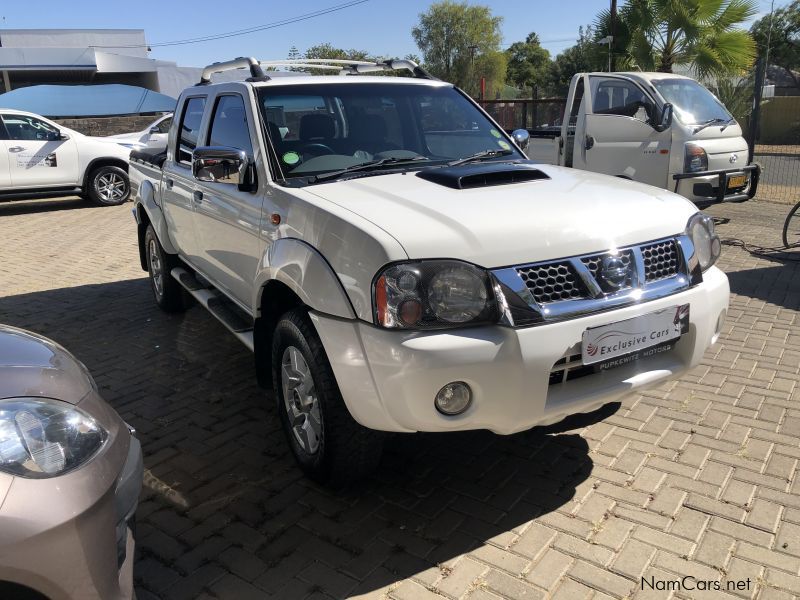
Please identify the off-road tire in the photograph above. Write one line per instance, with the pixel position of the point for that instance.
(347, 450)
(170, 297)
(100, 182)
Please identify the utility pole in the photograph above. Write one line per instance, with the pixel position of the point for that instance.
(612, 33)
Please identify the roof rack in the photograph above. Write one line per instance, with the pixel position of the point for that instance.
(343, 66)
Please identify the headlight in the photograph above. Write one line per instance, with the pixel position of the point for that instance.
(433, 294)
(42, 438)
(707, 246)
(695, 159)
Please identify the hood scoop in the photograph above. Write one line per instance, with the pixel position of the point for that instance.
(464, 177)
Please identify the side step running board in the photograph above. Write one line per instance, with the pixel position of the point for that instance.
(226, 312)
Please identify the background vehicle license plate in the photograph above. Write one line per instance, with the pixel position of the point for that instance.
(737, 181)
(632, 336)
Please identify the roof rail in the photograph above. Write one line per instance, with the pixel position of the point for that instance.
(256, 72)
(343, 66)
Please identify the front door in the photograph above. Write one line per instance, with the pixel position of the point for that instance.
(227, 218)
(39, 155)
(619, 138)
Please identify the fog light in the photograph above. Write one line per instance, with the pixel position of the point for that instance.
(454, 398)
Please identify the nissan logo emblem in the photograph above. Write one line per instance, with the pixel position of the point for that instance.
(613, 272)
(733, 158)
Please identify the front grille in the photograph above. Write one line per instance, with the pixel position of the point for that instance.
(594, 262)
(552, 282)
(660, 260)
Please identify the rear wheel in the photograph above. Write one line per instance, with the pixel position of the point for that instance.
(328, 444)
(167, 292)
(791, 227)
(108, 186)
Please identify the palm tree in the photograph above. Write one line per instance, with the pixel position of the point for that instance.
(655, 35)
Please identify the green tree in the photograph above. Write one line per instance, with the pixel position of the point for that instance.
(581, 57)
(528, 62)
(784, 39)
(655, 35)
(456, 39)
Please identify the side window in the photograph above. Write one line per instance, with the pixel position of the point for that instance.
(190, 129)
(23, 127)
(620, 98)
(229, 125)
(164, 126)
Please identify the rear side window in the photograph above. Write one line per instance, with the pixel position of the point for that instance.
(190, 128)
(229, 125)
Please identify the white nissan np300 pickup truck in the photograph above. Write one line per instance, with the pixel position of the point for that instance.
(397, 264)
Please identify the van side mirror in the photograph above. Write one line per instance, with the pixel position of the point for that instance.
(521, 137)
(154, 130)
(221, 164)
(665, 120)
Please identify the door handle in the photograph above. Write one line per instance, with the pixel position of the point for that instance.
(197, 197)
(169, 183)
(16, 149)
(589, 142)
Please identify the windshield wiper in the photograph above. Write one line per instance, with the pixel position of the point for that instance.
(480, 156)
(714, 121)
(365, 166)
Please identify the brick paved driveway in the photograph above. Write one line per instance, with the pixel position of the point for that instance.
(698, 477)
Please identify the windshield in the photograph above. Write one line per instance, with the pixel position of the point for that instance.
(693, 104)
(326, 127)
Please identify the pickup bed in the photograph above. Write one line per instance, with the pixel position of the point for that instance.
(396, 263)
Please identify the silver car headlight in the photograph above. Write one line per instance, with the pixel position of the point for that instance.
(42, 438)
(433, 294)
(707, 246)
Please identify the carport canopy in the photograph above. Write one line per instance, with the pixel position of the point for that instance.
(63, 101)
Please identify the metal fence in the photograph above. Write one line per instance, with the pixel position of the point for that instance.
(529, 113)
(774, 138)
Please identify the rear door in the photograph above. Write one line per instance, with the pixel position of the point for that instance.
(178, 185)
(619, 138)
(228, 218)
(36, 155)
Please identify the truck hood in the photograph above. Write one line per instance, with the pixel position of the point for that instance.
(573, 212)
(32, 365)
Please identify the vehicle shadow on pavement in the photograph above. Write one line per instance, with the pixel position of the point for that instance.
(225, 510)
(27, 207)
(779, 285)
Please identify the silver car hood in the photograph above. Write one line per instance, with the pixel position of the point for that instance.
(573, 212)
(32, 365)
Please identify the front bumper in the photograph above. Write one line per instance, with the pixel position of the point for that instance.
(68, 537)
(711, 186)
(389, 379)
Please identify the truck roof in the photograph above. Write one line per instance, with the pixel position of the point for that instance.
(305, 79)
(642, 75)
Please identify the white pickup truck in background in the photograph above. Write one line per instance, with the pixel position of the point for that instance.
(657, 128)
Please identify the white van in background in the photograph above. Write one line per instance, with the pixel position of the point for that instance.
(657, 128)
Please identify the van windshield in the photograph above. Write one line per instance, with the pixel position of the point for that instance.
(693, 104)
(322, 128)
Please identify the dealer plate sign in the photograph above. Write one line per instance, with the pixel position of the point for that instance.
(601, 344)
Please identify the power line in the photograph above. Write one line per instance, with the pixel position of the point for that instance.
(229, 34)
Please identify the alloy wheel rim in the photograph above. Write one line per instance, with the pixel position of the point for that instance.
(300, 400)
(156, 272)
(110, 186)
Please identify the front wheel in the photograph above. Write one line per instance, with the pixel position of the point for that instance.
(108, 186)
(791, 227)
(328, 444)
(166, 290)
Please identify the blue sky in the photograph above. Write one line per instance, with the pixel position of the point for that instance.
(382, 27)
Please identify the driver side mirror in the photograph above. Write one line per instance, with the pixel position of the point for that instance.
(521, 137)
(665, 120)
(154, 130)
(221, 164)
